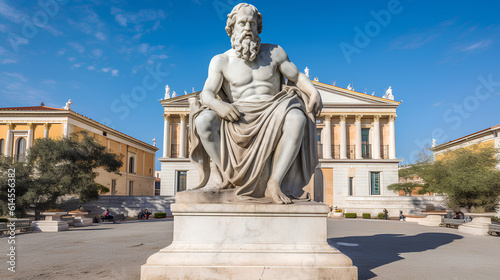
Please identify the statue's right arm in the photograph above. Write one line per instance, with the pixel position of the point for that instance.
(212, 85)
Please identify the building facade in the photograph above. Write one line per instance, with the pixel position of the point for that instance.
(356, 145)
(20, 126)
(486, 137)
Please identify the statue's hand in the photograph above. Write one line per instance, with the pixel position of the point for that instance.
(315, 105)
(225, 110)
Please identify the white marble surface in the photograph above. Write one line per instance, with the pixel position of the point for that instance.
(431, 220)
(478, 226)
(50, 226)
(249, 241)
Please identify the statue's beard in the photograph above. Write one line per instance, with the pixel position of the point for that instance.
(246, 48)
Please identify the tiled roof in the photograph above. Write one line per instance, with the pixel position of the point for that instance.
(31, 108)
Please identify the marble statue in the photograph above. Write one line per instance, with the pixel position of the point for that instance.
(388, 94)
(260, 133)
(174, 94)
(167, 92)
(154, 141)
(306, 71)
(68, 105)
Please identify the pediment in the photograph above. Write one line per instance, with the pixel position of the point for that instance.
(332, 95)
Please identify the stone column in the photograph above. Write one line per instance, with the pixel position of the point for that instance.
(183, 137)
(376, 137)
(359, 153)
(30, 139)
(46, 130)
(67, 129)
(343, 138)
(166, 136)
(392, 137)
(327, 145)
(8, 144)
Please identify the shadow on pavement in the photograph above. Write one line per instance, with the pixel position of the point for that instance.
(378, 250)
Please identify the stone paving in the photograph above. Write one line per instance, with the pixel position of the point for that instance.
(380, 249)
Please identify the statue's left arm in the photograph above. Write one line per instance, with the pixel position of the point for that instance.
(292, 73)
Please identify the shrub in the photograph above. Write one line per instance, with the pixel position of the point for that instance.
(160, 215)
(429, 207)
(351, 215)
(367, 216)
(55, 210)
(4, 220)
(381, 216)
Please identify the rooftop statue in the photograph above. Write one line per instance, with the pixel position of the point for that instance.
(260, 133)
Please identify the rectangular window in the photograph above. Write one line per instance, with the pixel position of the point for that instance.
(131, 188)
(350, 185)
(157, 188)
(375, 183)
(181, 180)
(113, 187)
(365, 143)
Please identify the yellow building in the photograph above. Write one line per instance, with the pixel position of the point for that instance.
(20, 126)
(486, 137)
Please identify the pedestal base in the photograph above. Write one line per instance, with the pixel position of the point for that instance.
(478, 226)
(249, 241)
(431, 220)
(50, 226)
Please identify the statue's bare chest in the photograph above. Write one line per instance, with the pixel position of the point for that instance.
(239, 73)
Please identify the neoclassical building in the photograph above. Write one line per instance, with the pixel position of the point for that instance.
(356, 145)
(20, 126)
(486, 137)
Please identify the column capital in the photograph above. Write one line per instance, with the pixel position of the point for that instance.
(166, 117)
(377, 118)
(183, 117)
(358, 118)
(47, 125)
(343, 117)
(392, 117)
(31, 125)
(10, 126)
(327, 117)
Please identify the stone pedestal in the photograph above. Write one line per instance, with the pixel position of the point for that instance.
(79, 219)
(478, 226)
(52, 222)
(249, 241)
(431, 220)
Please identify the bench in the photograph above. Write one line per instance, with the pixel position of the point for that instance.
(22, 224)
(452, 222)
(117, 217)
(494, 228)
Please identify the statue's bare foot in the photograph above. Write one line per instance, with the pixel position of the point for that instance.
(276, 194)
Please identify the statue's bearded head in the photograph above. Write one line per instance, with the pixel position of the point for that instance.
(244, 25)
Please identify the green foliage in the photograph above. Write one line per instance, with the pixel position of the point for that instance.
(4, 220)
(160, 215)
(367, 216)
(468, 176)
(407, 188)
(381, 216)
(351, 215)
(23, 179)
(57, 167)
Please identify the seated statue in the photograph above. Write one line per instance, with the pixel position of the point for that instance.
(260, 133)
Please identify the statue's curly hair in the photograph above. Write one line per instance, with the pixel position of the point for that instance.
(231, 18)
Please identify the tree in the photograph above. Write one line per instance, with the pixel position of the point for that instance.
(407, 188)
(60, 167)
(468, 177)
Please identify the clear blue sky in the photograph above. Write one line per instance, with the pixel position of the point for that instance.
(440, 57)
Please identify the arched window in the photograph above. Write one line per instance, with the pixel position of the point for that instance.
(21, 149)
(2, 146)
(131, 165)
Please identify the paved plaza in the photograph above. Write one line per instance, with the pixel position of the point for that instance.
(380, 249)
